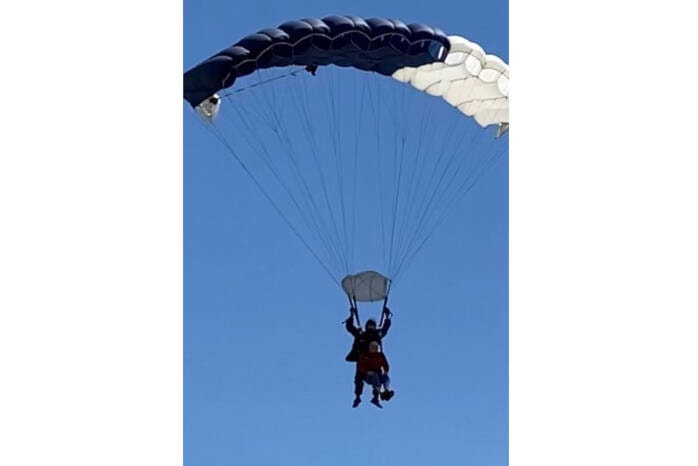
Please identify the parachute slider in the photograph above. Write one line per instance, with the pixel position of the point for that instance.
(367, 286)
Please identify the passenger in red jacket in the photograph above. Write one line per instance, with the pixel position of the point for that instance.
(373, 368)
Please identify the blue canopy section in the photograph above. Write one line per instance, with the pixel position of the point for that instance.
(379, 45)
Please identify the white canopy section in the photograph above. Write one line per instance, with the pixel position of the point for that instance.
(366, 286)
(475, 83)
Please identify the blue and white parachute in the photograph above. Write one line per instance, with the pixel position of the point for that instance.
(357, 156)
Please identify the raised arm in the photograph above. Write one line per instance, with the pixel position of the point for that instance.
(387, 321)
(349, 324)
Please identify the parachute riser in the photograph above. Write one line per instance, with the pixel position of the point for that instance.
(383, 314)
(355, 311)
(385, 305)
(355, 307)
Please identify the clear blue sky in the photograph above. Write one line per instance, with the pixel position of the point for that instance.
(265, 382)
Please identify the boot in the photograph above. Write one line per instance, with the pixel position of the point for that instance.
(374, 400)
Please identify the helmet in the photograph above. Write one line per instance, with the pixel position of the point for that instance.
(371, 323)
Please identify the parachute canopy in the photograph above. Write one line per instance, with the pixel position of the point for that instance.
(360, 161)
(368, 286)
